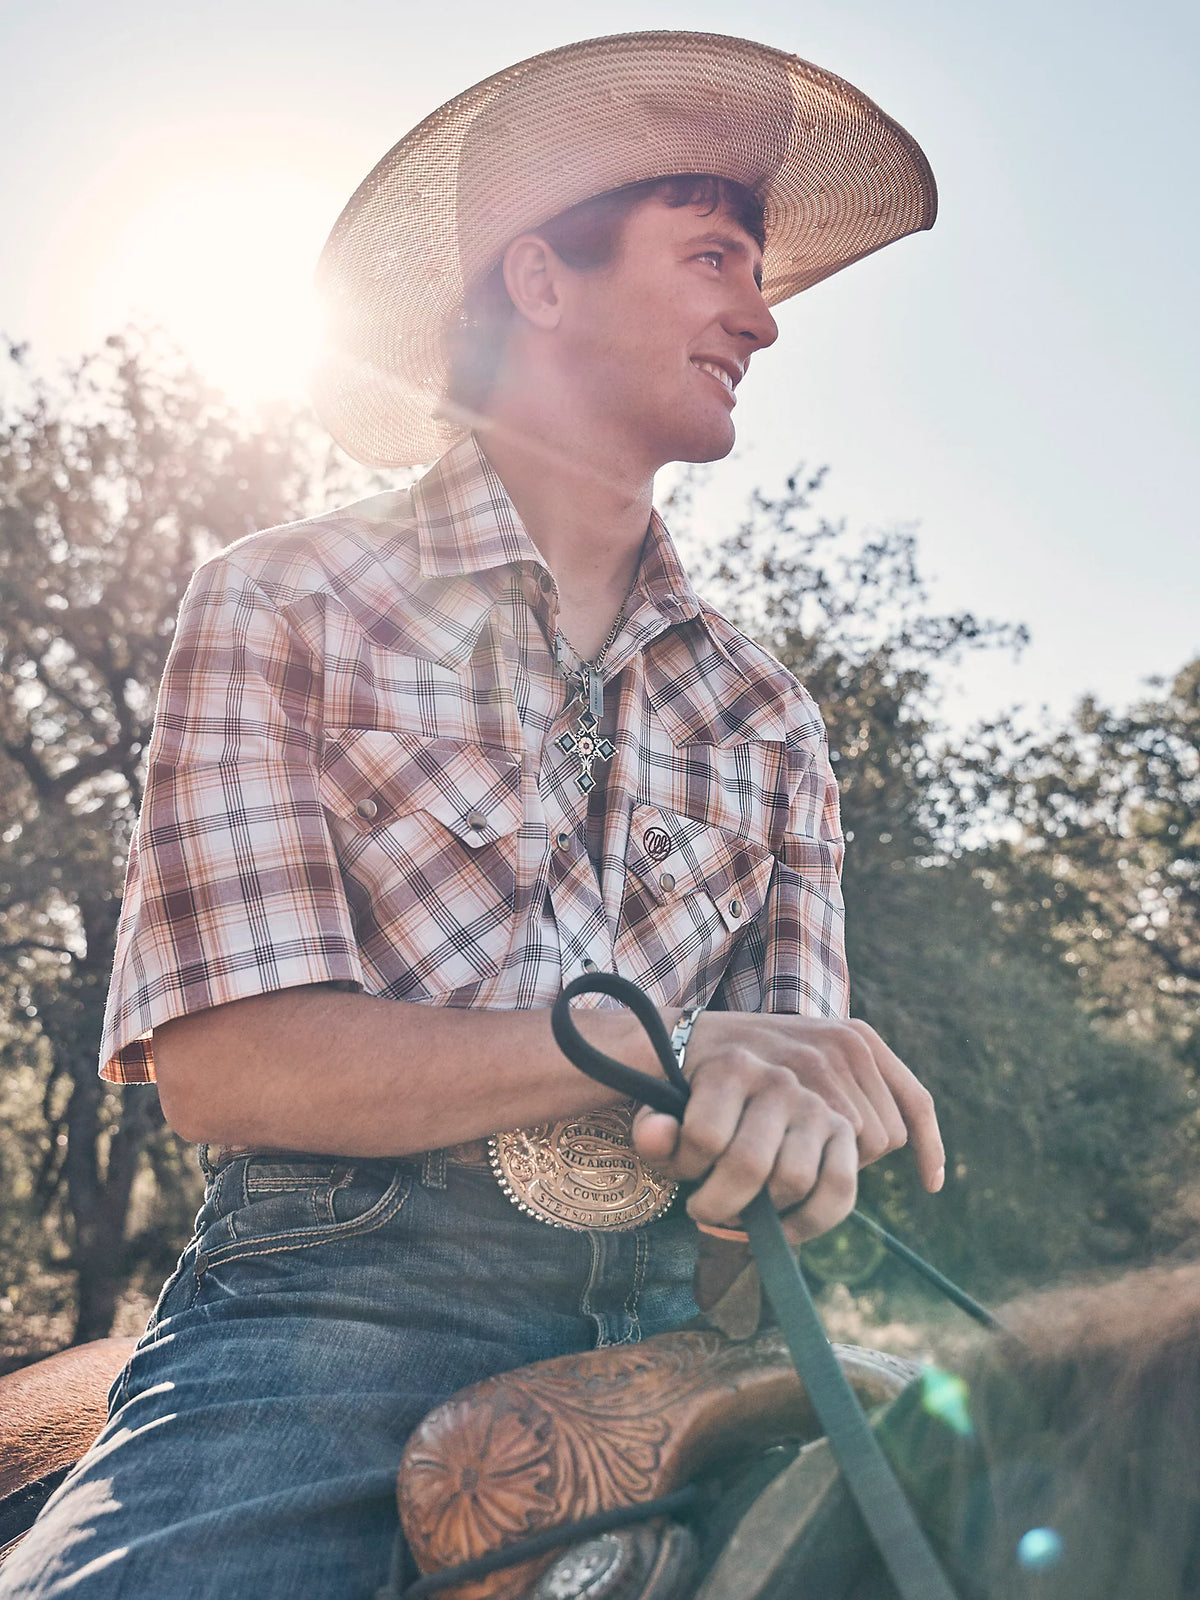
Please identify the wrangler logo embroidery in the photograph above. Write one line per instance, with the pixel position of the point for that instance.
(657, 843)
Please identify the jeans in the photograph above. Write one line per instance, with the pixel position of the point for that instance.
(323, 1307)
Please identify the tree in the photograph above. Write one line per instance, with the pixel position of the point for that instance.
(1108, 841)
(114, 484)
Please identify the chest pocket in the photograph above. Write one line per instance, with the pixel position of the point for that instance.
(427, 835)
(690, 890)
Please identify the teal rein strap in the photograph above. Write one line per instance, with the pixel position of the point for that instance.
(898, 1536)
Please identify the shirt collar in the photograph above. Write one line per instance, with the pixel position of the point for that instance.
(467, 523)
(465, 519)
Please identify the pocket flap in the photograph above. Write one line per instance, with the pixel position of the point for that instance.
(370, 777)
(672, 855)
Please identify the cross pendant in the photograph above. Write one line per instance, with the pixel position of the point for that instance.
(583, 741)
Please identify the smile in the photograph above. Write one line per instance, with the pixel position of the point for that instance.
(714, 371)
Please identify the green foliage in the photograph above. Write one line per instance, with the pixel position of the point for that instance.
(1066, 1143)
(1107, 840)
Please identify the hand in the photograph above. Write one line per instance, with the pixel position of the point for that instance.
(796, 1103)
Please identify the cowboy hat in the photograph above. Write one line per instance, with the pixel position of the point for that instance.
(837, 177)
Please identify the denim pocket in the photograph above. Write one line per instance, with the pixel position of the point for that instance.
(265, 1204)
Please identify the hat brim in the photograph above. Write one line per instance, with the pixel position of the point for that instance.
(838, 178)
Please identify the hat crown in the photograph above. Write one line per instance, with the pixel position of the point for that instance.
(684, 108)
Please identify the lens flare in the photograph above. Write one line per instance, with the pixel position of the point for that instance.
(1039, 1549)
(945, 1396)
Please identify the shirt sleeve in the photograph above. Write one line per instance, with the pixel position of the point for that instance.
(233, 887)
(792, 958)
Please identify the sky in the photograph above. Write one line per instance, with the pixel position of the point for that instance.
(1018, 385)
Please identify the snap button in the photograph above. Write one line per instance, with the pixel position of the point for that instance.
(589, 965)
(666, 882)
(735, 908)
(367, 809)
(476, 821)
(562, 841)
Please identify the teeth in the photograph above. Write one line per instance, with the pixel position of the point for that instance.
(717, 372)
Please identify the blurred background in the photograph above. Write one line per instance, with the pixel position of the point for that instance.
(962, 508)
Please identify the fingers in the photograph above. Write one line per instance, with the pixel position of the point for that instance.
(795, 1104)
(883, 1129)
(655, 1136)
(915, 1107)
(833, 1195)
(789, 1141)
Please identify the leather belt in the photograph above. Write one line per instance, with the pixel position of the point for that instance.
(473, 1153)
(580, 1172)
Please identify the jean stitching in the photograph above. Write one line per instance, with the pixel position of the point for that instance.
(317, 1190)
(154, 1329)
(640, 1261)
(384, 1209)
(433, 1169)
(596, 1242)
(223, 1200)
(282, 1185)
(119, 1392)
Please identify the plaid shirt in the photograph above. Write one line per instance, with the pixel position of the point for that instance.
(354, 779)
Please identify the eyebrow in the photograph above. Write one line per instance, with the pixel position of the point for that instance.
(732, 245)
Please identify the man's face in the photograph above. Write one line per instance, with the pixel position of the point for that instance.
(659, 339)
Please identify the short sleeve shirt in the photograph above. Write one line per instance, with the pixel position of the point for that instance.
(358, 777)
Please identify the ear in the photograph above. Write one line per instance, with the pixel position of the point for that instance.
(531, 276)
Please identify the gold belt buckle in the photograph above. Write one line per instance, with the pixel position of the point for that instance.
(580, 1172)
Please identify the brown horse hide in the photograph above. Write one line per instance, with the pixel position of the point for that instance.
(51, 1411)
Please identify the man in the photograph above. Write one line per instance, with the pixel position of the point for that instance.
(420, 761)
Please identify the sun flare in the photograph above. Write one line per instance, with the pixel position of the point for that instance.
(212, 230)
(225, 265)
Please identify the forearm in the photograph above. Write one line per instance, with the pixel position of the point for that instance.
(348, 1074)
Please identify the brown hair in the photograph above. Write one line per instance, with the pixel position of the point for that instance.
(586, 237)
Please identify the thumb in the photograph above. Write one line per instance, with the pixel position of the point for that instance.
(655, 1134)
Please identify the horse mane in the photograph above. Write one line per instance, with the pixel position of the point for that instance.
(1089, 1424)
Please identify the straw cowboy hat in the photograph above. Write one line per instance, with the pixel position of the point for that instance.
(838, 179)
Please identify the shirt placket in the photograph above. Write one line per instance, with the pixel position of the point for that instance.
(572, 886)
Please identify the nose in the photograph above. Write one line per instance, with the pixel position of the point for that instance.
(752, 321)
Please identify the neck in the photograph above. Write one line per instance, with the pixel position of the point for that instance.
(584, 508)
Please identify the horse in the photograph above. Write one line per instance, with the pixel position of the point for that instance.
(1058, 1458)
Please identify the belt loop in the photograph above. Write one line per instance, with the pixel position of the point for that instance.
(433, 1169)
